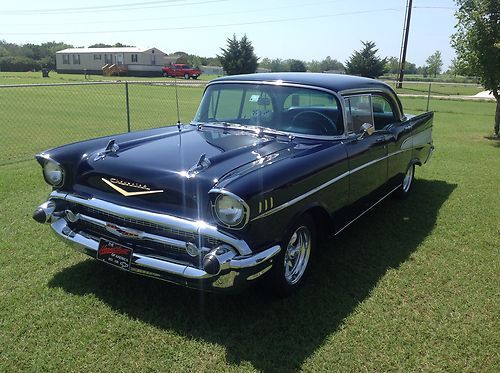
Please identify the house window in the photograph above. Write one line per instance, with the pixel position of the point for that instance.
(97, 56)
(65, 59)
(108, 58)
(134, 57)
(76, 59)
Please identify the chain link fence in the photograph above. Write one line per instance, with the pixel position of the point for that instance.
(35, 117)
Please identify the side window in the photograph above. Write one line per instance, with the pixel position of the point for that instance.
(312, 112)
(382, 112)
(359, 111)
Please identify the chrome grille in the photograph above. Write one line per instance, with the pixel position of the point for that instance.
(147, 226)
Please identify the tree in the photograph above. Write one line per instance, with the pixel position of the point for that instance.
(102, 45)
(297, 66)
(278, 65)
(477, 43)
(366, 62)
(392, 65)
(434, 63)
(454, 68)
(329, 64)
(14, 57)
(238, 57)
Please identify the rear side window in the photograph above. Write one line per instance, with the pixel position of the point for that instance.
(383, 113)
(359, 111)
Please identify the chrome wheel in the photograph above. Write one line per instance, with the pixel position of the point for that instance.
(297, 255)
(408, 179)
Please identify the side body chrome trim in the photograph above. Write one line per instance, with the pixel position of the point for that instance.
(324, 185)
(368, 209)
(301, 197)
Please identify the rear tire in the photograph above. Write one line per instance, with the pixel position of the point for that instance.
(404, 190)
(292, 264)
(186, 76)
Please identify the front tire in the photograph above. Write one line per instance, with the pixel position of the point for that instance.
(186, 76)
(405, 188)
(292, 263)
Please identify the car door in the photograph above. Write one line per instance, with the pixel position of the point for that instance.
(367, 156)
(397, 138)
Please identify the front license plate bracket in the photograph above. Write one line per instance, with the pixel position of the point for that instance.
(115, 254)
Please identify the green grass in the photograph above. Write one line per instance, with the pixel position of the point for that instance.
(413, 285)
(7, 78)
(36, 118)
(438, 89)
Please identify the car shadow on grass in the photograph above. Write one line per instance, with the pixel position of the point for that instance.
(277, 334)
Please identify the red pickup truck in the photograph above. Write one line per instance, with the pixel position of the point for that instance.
(181, 70)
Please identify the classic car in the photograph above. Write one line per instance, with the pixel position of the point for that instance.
(269, 163)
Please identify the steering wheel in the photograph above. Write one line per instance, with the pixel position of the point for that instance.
(316, 121)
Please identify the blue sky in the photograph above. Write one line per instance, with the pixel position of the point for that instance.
(283, 29)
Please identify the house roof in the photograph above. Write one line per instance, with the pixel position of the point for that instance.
(107, 50)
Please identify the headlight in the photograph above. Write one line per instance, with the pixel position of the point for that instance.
(230, 210)
(53, 173)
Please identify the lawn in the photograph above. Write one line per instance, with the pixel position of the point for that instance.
(8, 78)
(35, 118)
(438, 89)
(413, 285)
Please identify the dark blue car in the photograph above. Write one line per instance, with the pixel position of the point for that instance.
(269, 162)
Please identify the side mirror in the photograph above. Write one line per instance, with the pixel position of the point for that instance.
(366, 129)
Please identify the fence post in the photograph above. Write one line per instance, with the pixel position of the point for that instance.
(428, 96)
(128, 106)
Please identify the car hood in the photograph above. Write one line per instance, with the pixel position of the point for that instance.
(173, 171)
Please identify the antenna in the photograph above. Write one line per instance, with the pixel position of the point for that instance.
(177, 103)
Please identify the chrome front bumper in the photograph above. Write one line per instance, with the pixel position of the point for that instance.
(236, 265)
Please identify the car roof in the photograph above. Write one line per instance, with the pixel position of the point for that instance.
(333, 82)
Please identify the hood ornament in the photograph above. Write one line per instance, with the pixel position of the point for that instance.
(111, 148)
(114, 183)
(202, 164)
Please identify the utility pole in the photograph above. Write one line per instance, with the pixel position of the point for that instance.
(404, 44)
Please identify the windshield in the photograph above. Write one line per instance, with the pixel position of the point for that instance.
(282, 108)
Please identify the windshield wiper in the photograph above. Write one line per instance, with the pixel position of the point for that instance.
(272, 132)
(259, 130)
(224, 124)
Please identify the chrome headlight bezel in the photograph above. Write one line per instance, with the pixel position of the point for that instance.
(52, 168)
(226, 197)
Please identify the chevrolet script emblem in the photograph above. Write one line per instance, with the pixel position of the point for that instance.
(114, 183)
(122, 232)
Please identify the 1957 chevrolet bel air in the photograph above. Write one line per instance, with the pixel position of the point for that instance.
(268, 163)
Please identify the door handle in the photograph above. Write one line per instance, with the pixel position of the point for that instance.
(408, 127)
(381, 139)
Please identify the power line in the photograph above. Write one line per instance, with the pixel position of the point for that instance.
(110, 8)
(206, 26)
(191, 16)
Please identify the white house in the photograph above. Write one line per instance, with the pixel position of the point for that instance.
(135, 61)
